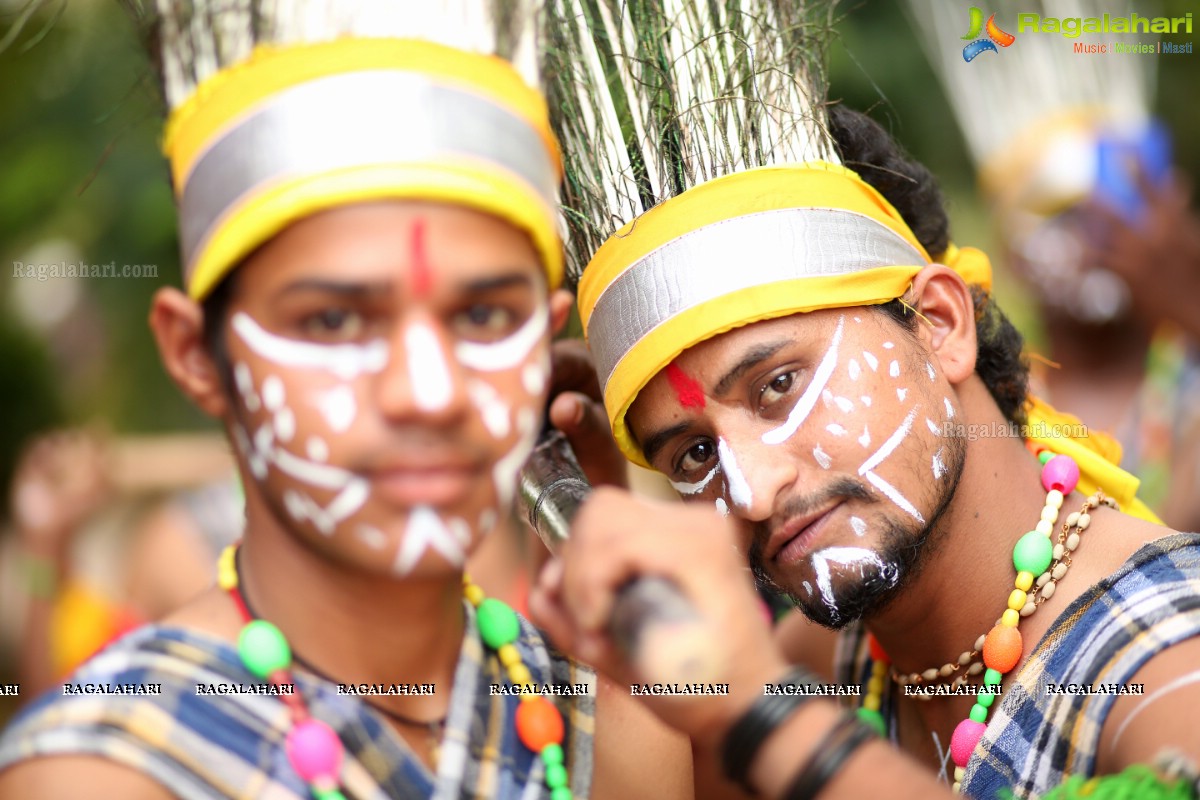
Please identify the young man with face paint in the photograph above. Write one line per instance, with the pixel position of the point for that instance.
(838, 403)
(371, 289)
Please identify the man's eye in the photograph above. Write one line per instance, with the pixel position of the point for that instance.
(484, 322)
(333, 323)
(775, 390)
(696, 457)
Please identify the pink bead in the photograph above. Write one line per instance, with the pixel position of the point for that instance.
(962, 743)
(1062, 473)
(314, 750)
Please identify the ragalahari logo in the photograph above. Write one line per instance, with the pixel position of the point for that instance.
(995, 36)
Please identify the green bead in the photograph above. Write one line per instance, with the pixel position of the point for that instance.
(561, 793)
(873, 719)
(978, 713)
(328, 794)
(992, 678)
(1033, 553)
(1045, 456)
(985, 699)
(556, 776)
(263, 648)
(498, 623)
(552, 754)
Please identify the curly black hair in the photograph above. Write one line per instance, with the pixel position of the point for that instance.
(869, 150)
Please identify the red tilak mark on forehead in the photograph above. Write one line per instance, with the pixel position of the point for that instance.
(687, 389)
(422, 272)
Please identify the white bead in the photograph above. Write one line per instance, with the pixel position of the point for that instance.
(1050, 514)
(1058, 571)
(975, 668)
(946, 671)
(1073, 542)
(1028, 609)
(1084, 521)
(1048, 591)
(1057, 552)
(964, 659)
(1072, 518)
(1043, 579)
(930, 674)
(1044, 527)
(1054, 498)
(979, 643)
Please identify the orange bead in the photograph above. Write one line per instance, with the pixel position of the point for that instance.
(539, 724)
(1002, 648)
(876, 649)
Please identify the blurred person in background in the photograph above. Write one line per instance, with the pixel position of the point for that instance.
(1076, 173)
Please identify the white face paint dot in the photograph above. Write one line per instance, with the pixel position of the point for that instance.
(844, 405)
(487, 520)
(295, 505)
(272, 393)
(860, 527)
(821, 457)
(722, 507)
(492, 409)
(901, 393)
(533, 378)
(865, 439)
(871, 360)
(827, 398)
(888, 345)
(835, 429)
(854, 369)
(371, 536)
(243, 378)
(317, 449)
(338, 407)
(865, 400)
(285, 425)
(894, 369)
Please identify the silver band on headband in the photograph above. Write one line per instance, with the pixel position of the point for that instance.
(375, 117)
(721, 258)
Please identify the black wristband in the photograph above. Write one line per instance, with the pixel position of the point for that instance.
(828, 757)
(751, 730)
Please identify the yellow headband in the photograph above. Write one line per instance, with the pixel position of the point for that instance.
(755, 245)
(763, 244)
(300, 129)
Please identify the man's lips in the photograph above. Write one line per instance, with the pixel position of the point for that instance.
(424, 484)
(795, 539)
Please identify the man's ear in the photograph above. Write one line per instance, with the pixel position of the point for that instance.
(560, 309)
(178, 325)
(948, 320)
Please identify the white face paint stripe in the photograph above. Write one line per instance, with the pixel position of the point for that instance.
(426, 529)
(428, 374)
(323, 476)
(933, 428)
(533, 378)
(845, 556)
(854, 369)
(722, 507)
(808, 399)
(929, 371)
(694, 488)
(506, 353)
(492, 408)
(892, 494)
(939, 469)
(504, 473)
(871, 360)
(949, 408)
(739, 488)
(821, 457)
(887, 447)
(344, 360)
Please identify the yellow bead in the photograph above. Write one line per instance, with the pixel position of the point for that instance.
(875, 686)
(871, 702)
(519, 673)
(226, 570)
(474, 594)
(1016, 600)
(509, 655)
(878, 669)
(1010, 618)
(1024, 581)
(1050, 514)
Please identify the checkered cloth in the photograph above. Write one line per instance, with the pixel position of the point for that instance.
(231, 746)
(1034, 741)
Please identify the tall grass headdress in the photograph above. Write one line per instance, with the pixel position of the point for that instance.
(1049, 129)
(703, 189)
(279, 109)
(704, 192)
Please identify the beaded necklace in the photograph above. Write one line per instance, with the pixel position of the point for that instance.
(1001, 648)
(313, 747)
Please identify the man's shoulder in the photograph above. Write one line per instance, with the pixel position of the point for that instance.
(78, 778)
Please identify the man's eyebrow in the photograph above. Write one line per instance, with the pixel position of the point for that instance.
(657, 441)
(346, 289)
(495, 282)
(752, 357)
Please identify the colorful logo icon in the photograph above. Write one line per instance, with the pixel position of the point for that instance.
(995, 36)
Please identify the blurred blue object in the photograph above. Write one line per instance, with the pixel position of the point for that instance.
(1119, 159)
